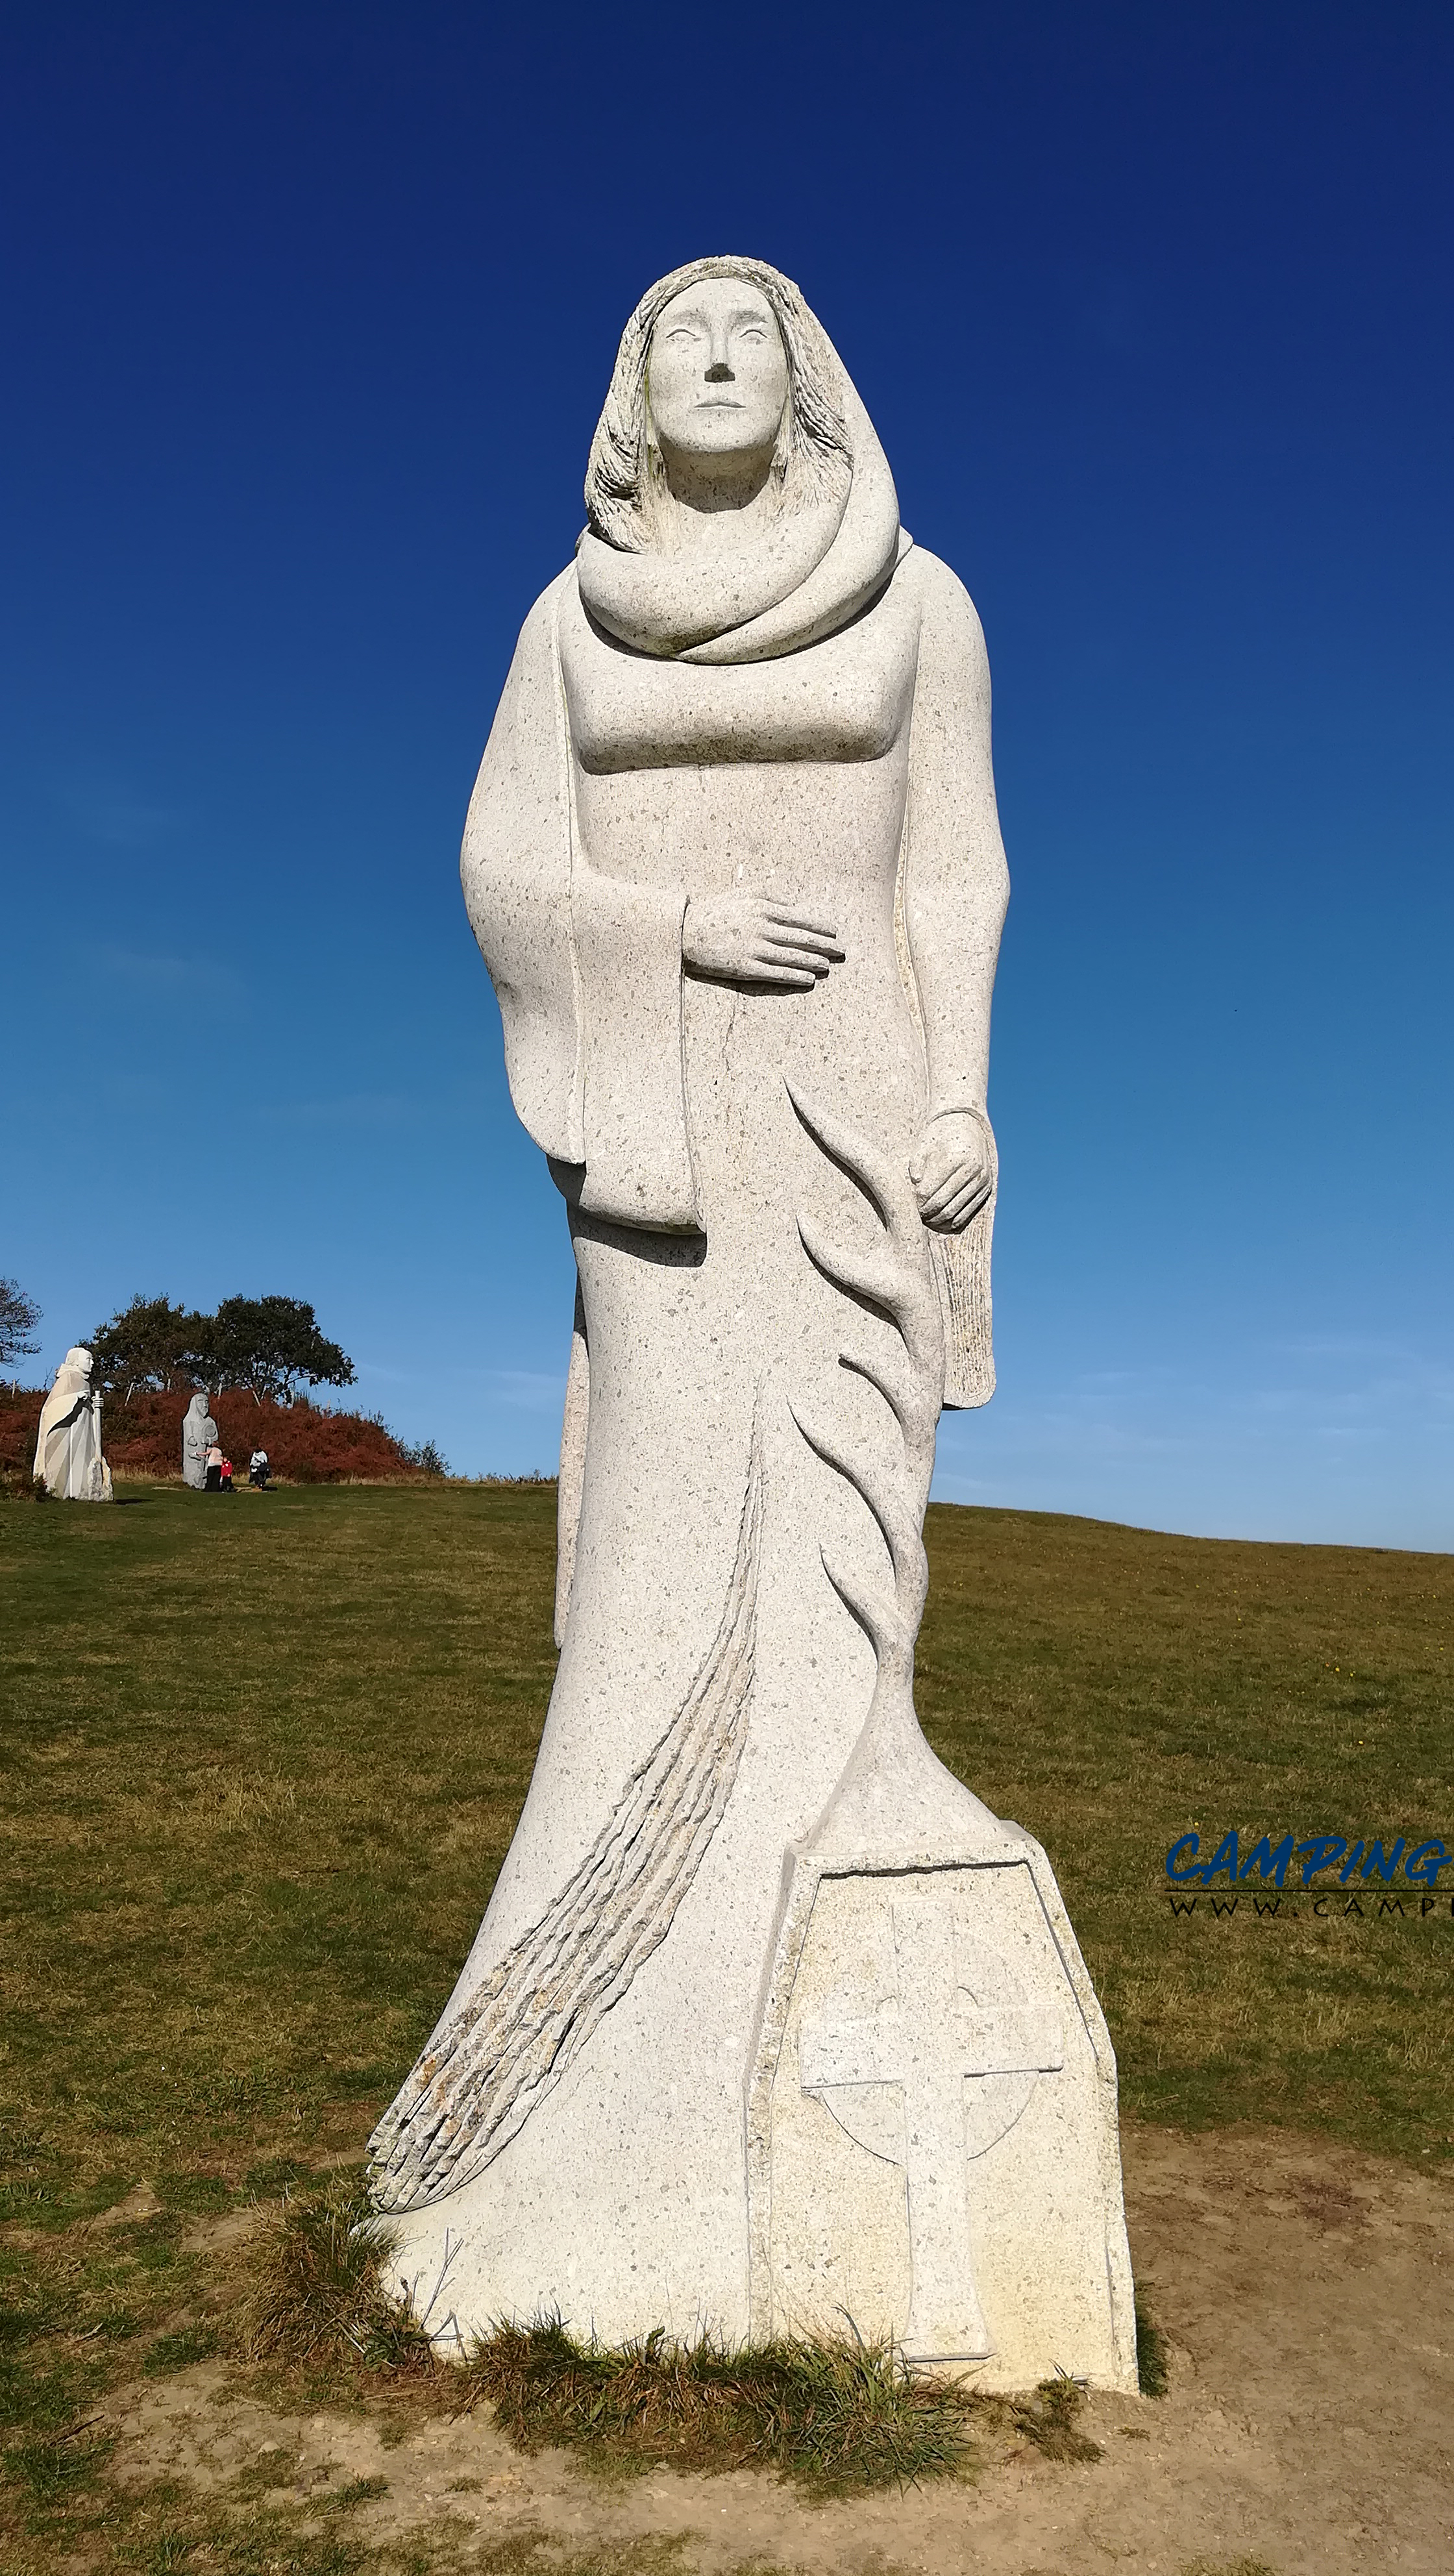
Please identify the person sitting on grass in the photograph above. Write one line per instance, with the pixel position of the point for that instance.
(257, 1470)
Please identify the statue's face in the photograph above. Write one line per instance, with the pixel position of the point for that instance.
(717, 373)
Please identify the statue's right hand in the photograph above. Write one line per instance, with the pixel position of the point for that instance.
(744, 939)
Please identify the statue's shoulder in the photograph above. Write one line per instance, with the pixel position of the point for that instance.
(940, 591)
(951, 638)
(543, 617)
(530, 678)
(557, 593)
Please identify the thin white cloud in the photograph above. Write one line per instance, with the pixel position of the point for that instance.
(530, 1390)
(1337, 1439)
(116, 815)
(350, 1109)
(150, 970)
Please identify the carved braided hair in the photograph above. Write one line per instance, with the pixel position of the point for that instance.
(625, 472)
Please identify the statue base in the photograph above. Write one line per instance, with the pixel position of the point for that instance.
(933, 2151)
(932, 2141)
(931, 2147)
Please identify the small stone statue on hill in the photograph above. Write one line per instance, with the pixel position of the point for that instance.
(68, 1460)
(199, 1432)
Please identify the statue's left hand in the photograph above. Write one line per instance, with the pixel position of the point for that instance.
(952, 1170)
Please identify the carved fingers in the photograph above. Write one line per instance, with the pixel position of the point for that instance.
(794, 950)
(744, 939)
(952, 1170)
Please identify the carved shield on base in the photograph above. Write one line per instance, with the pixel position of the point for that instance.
(932, 2141)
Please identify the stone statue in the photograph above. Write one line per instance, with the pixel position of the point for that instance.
(769, 2018)
(68, 1458)
(199, 1432)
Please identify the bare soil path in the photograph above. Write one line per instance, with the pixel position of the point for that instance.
(1308, 2430)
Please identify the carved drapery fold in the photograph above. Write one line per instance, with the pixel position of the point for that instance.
(496, 2055)
(628, 942)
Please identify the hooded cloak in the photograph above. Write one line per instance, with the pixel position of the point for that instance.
(588, 968)
(68, 1457)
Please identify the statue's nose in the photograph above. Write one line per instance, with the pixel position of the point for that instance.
(719, 373)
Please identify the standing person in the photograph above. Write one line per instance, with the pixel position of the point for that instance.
(225, 1478)
(212, 1481)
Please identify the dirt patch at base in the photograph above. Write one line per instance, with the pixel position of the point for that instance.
(1306, 2294)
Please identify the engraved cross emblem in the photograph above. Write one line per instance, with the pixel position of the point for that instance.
(940, 2028)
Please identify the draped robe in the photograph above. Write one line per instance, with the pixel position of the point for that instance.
(199, 1432)
(68, 1441)
(573, 2135)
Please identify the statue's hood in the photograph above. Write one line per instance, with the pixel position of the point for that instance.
(812, 569)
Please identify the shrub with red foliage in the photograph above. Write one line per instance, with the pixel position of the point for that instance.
(19, 1426)
(305, 1444)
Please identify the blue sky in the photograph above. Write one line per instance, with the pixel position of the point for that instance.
(312, 315)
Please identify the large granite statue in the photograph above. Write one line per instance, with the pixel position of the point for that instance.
(199, 1431)
(68, 1458)
(769, 2020)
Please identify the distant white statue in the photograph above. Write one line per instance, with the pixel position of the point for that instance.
(68, 1458)
(199, 1433)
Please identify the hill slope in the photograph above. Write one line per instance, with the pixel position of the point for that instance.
(265, 1758)
(307, 1444)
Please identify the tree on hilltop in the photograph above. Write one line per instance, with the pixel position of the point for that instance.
(151, 1344)
(19, 1316)
(272, 1346)
(269, 1345)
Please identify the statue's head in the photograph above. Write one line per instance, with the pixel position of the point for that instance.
(722, 360)
(716, 374)
(80, 1360)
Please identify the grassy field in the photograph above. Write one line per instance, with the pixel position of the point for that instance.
(262, 1760)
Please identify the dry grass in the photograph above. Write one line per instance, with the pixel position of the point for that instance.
(1227, 2567)
(1153, 2352)
(258, 1770)
(1114, 1688)
(834, 2416)
(315, 2296)
(257, 1774)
